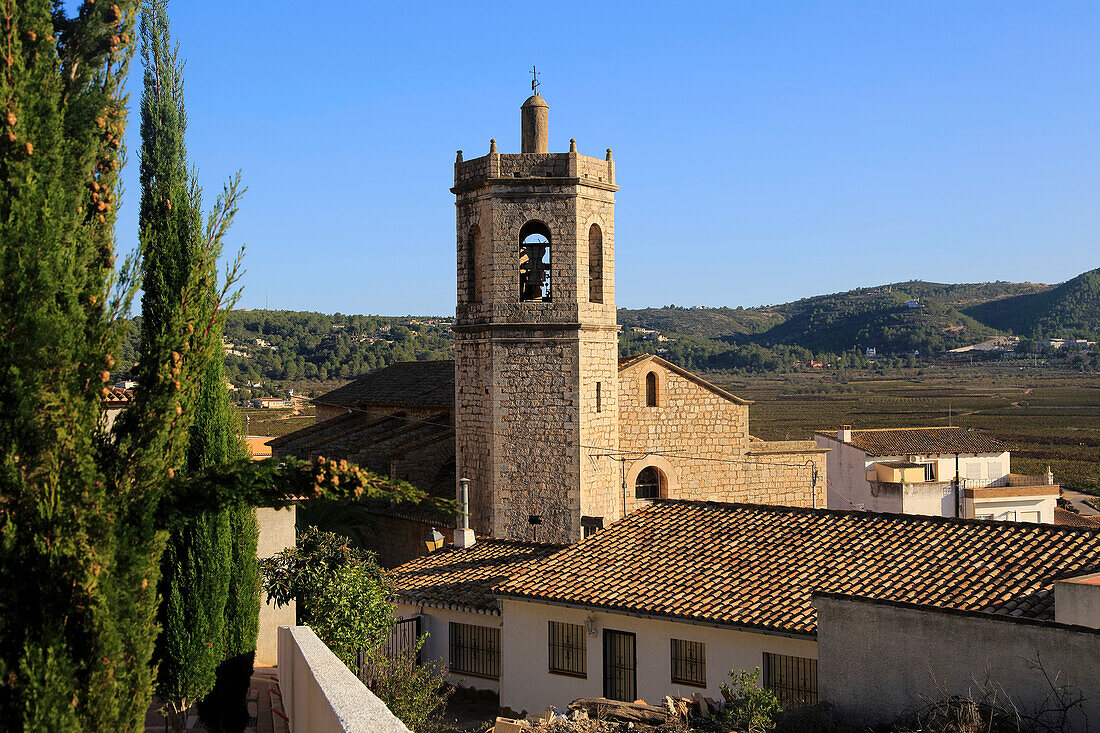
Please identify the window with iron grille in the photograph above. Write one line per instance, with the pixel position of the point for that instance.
(568, 649)
(475, 650)
(792, 679)
(689, 662)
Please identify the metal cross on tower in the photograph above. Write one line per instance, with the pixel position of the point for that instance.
(534, 81)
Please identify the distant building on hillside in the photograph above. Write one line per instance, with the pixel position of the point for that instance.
(947, 472)
(912, 303)
(269, 402)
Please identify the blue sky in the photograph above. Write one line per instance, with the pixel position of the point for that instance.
(766, 151)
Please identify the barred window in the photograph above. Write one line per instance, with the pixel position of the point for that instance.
(792, 679)
(475, 650)
(568, 650)
(689, 662)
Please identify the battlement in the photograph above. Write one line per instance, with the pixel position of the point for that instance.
(569, 167)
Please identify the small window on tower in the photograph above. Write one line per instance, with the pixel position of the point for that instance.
(473, 265)
(595, 264)
(651, 389)
(534, 262)
(599, 397)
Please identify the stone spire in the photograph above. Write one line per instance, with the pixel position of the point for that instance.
(535, 125)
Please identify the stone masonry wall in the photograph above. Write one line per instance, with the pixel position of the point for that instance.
(526, 371)
(537, 423)
(700, 441)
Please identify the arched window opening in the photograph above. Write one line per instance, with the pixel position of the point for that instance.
(651, 389)
(534, 262)
(473, 265)
(595, 264)
(650, 483)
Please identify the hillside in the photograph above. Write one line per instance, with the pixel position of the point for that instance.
(1071, 309)
(268, 347)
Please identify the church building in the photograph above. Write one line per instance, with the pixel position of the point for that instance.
(558, 435)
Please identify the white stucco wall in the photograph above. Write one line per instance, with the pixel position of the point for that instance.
(321, 695)
(878, 661)
(435, 622)
(846, 468)
(1012, 508)
(527, 684)
(846, 475)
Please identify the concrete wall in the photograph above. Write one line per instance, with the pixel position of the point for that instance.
(1077, 601)
(321, 695)
(877, 661)
(276, 534)
(435, 622)
(527, 684)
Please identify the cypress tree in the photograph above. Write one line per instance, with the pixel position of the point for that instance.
(85, 513)
(198, 561)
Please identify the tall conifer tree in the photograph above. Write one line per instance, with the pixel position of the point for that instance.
(85, 513)
(198, 561)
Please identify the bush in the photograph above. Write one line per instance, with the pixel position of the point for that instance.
(342, 593)
(751, 708)
(416, 694)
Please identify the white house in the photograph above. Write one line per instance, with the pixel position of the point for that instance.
(673, 597)
(947, 472)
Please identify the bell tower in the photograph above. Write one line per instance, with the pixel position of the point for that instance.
(536, 338)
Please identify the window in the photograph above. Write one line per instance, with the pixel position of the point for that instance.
(475, 650)
(568, 649)
(534, 262)
(1029, 517)
(995, 470)
(929, 471)
(650, 483)
(689, 662)
(599, 402)
(792, 679)
(651, 389)
(473, 266)
(985, 516)
(590, 526)
(1008, 516)
(973, 469)
(595, 264)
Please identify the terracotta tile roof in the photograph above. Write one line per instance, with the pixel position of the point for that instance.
(1067, 518)
(406, 384)
(118, 395)
(920, 441)
(464, 579)
(756, 566)
(259, 446)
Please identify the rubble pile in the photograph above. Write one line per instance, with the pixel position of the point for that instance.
(601, 715)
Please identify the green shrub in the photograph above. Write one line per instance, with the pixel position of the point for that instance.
(751, 708)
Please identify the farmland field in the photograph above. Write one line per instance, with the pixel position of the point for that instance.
(1048, 417)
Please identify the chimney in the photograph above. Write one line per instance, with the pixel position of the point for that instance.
(844, 435)
(464, 536)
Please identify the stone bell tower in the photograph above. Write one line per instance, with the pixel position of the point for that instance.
(536, 337)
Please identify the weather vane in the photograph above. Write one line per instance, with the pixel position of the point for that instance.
(534, 81)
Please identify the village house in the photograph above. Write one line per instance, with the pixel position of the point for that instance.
(558, 435)
(938, 471)
(670, 599)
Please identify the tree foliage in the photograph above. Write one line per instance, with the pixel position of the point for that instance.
(84, 513)
(341, 592)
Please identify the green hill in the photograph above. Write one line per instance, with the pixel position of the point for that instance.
(874, 318)
(1071, 309)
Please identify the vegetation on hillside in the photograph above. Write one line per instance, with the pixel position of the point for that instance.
(1070, 310)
